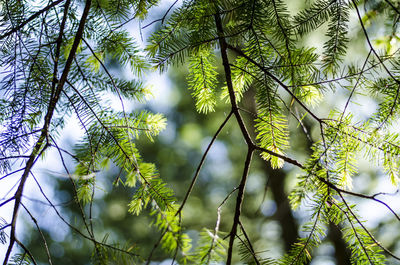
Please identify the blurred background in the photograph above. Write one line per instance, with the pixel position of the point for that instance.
(271, 224)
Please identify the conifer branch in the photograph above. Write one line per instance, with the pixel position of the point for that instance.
(228, 78)
(158, 242)
(26, 251)
(348, 76)
(235, 110)
(32, 17)
(287, 41)
(239, 202)
(14, 157)
(285, 158)
(241, 53)
(76, 230)
(314, 15)
(6, 201)
(359, 195)
(365, 229)
(381, 62)
(18, 194)
(58, 47)
(163, 17)
(4, 227)
(392, 6)
(269, 60)
(40, 145)
(12, 173)
(364, 248)
(107, 129)
(249, 246)
(309, 237)
(82, 213)
(217, 224)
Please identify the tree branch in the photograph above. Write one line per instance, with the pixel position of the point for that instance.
(239, 202)
(203, 158)
(40, 145)
(32, 17)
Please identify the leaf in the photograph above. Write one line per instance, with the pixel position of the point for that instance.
(94, 61)
(84, 191)
(68, 47)
(203, 81)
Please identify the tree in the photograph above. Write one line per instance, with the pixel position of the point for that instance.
(60, 57)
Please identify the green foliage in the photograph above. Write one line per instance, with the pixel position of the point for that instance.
(312, 17)
(3, 238)
(335, 47)
(210, 249)
(19, 259)
(173, 238)
(60, 60)
(84, 191)
(364, 248)
(203, 81)
(103, 254)
(271, 126)
(242, 78)
(109, 135)
(250, 256)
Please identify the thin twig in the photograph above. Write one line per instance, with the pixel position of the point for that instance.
(217, 224)
(285, 87)
(163, 17)
(40, 145)
(32, 17)
(359, 195)
(26, 251)
(249, 246)
(366, 230)
(76, 230)
(203, 158)
(40, 232)
(383, 65)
